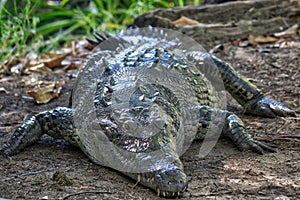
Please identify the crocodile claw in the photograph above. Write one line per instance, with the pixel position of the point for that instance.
(269, 107)
(257, 146)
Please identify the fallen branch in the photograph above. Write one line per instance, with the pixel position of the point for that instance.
(227, 21)
(288, 137)
(278, 137)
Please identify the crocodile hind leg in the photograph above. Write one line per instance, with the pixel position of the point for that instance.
(57, 122)
(233, 128)
(246, 93)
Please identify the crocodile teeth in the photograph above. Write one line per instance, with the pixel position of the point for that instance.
(105, 90)
(142, 98)
(139, 178)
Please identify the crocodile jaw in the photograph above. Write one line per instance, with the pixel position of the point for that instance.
(170, 181)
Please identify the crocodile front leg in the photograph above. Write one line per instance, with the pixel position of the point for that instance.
(246, 93)
(57, 123)
(233, 128)
(268, 107)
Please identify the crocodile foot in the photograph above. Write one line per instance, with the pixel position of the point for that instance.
(256, 146)
(269, 107)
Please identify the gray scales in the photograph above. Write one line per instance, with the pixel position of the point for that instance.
(117, 61)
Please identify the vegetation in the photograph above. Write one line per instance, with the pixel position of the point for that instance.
(39, 26)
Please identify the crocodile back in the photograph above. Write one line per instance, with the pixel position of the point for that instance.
(145, 91)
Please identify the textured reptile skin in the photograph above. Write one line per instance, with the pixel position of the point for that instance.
(158, 55)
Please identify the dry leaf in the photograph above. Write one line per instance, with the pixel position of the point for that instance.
(16, 69)
(53, 60)
(82, 45)
(254, 40)
(241, 43)
(74, 52)
(3, 90)
(184, 21)
(32, 80)
(290, 32)
(47, 93)
(71, 64)
(39, 68)
(14, 60)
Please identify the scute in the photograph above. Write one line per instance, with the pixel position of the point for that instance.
(147, 73)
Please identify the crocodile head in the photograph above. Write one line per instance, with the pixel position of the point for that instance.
(170, 181)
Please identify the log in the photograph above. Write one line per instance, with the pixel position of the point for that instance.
(225, 22)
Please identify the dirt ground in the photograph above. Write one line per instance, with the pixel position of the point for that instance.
(52, 169)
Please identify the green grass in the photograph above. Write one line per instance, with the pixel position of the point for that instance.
(26, 25)
(16, 29)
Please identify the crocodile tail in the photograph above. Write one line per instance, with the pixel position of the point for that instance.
(107, 41)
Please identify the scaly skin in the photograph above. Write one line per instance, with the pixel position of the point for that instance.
(170, 181)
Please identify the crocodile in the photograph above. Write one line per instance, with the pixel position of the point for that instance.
(116, 72)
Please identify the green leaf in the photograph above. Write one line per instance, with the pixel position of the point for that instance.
(55, 26)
